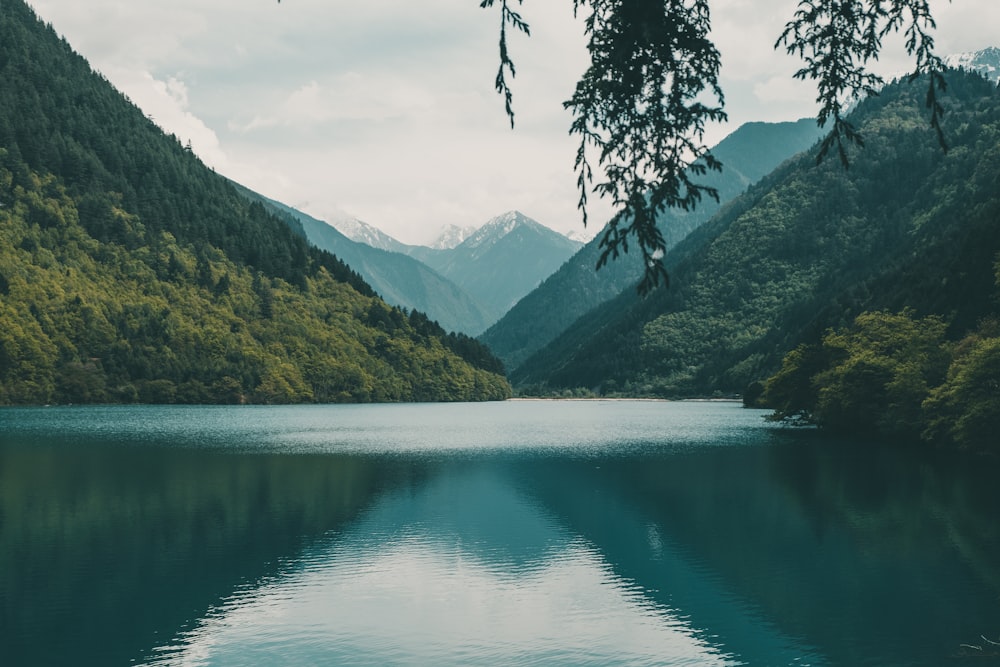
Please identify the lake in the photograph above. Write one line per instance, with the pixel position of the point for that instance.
(516, 533)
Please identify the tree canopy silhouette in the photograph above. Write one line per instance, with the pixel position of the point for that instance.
(641, 107)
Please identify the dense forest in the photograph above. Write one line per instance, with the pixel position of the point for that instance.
(896, 375)
(908, 228)
(131, 272)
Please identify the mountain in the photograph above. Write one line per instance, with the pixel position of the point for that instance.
(577, 235)
(747, 154)
(361, 232)
(129, 271)
(451, 236)
(398, 278)
(501, 261)
(466, 280)
(986, 62)
(809, 248)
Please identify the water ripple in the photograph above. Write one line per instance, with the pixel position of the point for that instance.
(414, 600)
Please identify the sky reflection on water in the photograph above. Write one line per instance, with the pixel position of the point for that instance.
(543, 533)
(419, 580)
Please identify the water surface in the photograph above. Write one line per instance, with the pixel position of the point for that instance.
(525, 532)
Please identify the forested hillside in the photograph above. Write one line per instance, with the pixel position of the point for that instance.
(747, 155)
(907, 226)
(129, 271)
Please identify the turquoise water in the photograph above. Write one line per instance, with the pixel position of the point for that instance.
(517, 533)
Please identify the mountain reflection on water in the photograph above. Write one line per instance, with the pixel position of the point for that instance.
(626, 533)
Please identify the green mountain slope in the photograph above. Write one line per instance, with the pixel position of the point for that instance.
(747, 154)
(130, 271)
(811, 247)
(398, 278)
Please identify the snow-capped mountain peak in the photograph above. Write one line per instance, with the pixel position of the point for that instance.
(579, 236)
(497, 228)
(986, 62)
(452, 236)
(362, 232)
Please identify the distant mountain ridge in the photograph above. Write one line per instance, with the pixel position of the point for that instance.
(495, 264)
(361, 232)
(748, 154)
(496, 229)
(398, 278)
(502, 261)
(451, 236)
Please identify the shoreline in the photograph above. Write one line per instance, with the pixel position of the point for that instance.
(649, 400)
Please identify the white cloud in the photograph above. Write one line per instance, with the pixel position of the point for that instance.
(352, 96)
(785, 92)
(745, 32)
(387, 109)
(166, 102)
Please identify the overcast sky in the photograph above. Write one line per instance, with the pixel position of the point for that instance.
(385, 109)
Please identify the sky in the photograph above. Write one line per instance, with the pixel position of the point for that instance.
(385, 109)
